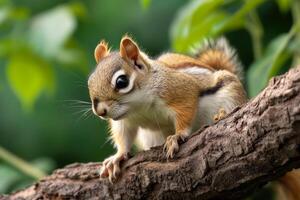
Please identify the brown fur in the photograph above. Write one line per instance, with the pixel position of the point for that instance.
(183, 89)
(128, 49)
(217, 60)
(219, 55)
(174, 60)
(177, 91)
(101, 51)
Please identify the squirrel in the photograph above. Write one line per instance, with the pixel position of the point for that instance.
(152, 102)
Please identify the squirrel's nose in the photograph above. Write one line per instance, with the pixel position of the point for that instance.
(99, 108)
(101, 112)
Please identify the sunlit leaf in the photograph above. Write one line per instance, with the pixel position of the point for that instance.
(197, 32)
(10, 13)
(19, 13)
(29, 76)
(145, 3)
(194, 12)
(194, 9)
(261, 71)
(78, 9)
(4, 14)
(202, 19)
(6, 46)
(4, 2)
(49, 30)
(284, 5)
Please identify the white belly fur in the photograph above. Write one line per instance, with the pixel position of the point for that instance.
(208, 106)
(147, 138)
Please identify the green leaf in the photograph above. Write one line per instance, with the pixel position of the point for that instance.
(4, 14)
(50, 30)
(145, 3)
(269, 65)
(238, 18)
(197, 17)
(9, 177)
(294, 47)
(19, 13)
(44, 164)
(4, 2)
(12, 179)
(202, 19)
(284, 5)
(198, 32)
(9, 13)
(6, 47)
(29, 76)
(78, 9)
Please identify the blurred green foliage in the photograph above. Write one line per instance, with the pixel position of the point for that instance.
(46, 54)
(33, 44)
(201, 19)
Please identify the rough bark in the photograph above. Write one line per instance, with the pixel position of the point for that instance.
(255, 144)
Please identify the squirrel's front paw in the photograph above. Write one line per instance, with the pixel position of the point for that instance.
(111, 166)
(171, 146)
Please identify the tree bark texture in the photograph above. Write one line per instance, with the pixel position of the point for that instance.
(255, 144)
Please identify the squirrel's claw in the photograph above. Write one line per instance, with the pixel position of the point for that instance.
(220, 115)
(171, 146)
(111, 167)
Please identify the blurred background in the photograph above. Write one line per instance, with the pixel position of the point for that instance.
(46, 55)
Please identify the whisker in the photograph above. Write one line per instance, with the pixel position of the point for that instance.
(109, 139)
(81, 84)
(82, 111)
(80, 106)
(88, 115)
(78, 102)
(83, 115)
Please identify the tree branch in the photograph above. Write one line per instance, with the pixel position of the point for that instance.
(255, 144)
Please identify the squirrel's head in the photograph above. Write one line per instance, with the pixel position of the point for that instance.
(117, 79)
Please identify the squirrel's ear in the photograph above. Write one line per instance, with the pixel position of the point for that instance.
(129, 49)
(101, 51)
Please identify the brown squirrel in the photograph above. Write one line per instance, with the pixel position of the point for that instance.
(161, 101)
(164, 100)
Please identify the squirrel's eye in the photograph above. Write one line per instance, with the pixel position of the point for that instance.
(122, 82)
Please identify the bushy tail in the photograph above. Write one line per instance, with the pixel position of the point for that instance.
(218, 54)
(288, 187)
